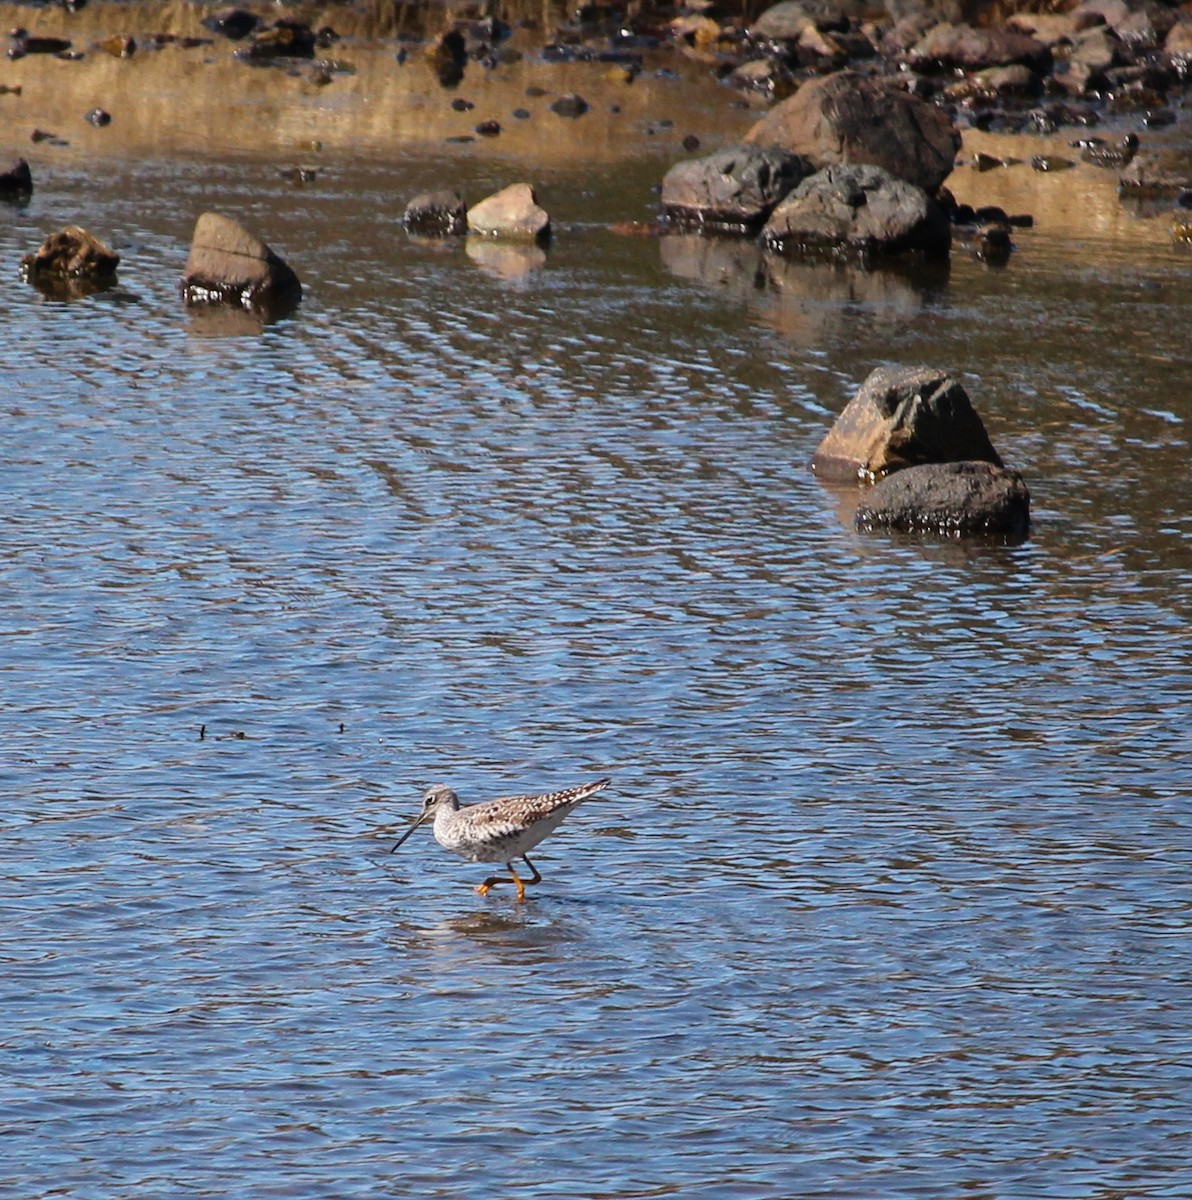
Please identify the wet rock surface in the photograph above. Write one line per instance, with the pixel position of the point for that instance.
(72, 253)
(229, 265)
(440, 213)
(958, 499)
(735, 189)
(16, 179)
(860, 212)
(902, 417)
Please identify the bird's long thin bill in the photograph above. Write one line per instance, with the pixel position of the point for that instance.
(407, 833)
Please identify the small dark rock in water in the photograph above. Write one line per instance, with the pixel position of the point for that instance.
(72, 253)
(436, 214)
(1158, 118)
(283, 39)
(462, 105)
(27, 43)
(300, 174)
(986, 162)
(954, 499)
(233, 23)
(10, 89)
(521, 114)
(16, 180)
(534, 91)
(901, 417)
(460, 137)
(1101, 154)
(691, 143)
(41, 135)
(570, 105)
(228, 265)
(98, 117)
(1051, 162)
(489, 129)
(449, 57)
(993, 244)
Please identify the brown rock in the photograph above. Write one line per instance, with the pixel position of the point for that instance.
(852, 118)
(227, 264)
(901, 417)
(512, 212)
(951, 46)
(72, 253)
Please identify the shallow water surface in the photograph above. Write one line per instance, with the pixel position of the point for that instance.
(890, 897)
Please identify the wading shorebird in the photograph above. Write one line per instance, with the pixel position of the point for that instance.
(501, 830)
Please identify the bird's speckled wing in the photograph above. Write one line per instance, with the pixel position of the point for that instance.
(510, 814)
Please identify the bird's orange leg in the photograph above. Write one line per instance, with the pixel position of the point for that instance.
(517, 880)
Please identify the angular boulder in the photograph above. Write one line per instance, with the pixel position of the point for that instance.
(71, 253)
(513, 212)
(903, 417)
(956, 499)
(229, 265)
(848, 117)
(858, 212)
(436, 214)
(735, 189)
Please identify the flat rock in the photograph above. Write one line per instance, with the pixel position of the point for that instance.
(902, 417)
(947, 47)
(953, 499)
(513, 212)
(860, 212)
(848, 117)
(227, 264)
(736, 188)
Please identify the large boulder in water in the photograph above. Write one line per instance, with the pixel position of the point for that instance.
(858, 212)
(955, 499)
(902, 417)
(16, 180)
(227, 264)
(848, 117)
(735, 188)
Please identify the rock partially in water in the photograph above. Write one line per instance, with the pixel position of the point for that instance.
(513, 212)
(233, 23)
(229, 265)
(570, 105)
(859, 212)
(955, 499)
(283, 39)
(949, 47)
(436, 214)
(118, 46)
(733, 189)
(16, 180)
(848, 117)
(99, 117)
(71, 253)
(902, 417)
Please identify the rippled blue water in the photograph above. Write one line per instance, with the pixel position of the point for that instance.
(891, 895)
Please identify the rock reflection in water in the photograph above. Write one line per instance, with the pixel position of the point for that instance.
(801, 299)
(506, 261)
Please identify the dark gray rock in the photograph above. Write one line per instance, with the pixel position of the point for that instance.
(736, 188)
(902, 417)
(229, 265)
(953, 499)
(16, 180)
(848, 117)
(858, 212)
(437, 214)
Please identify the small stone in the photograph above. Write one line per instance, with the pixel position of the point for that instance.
(570, 105)
(98, 117)
(72, 253)
(489, 129)
(462, 105)
(16, 180)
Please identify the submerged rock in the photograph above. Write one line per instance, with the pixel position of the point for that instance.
(71, 253)
(902, 417)
(736, 188)
(436, 214)
(953, 499)
(861, 212)
(513, 212)
(229, 265)
(848, 117)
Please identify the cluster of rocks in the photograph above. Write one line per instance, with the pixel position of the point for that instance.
(850, 165)
(513, 213)
(916, 444)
